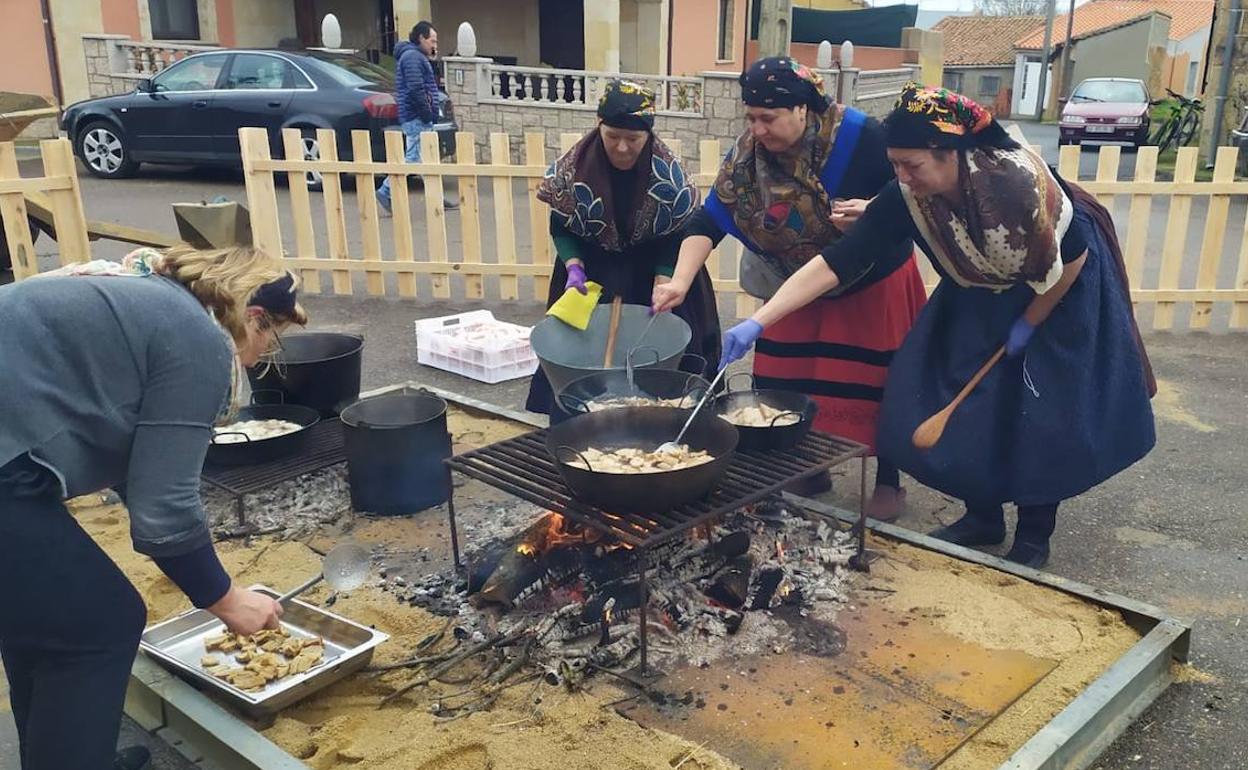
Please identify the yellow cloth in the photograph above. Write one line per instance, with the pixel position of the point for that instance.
(574, 308)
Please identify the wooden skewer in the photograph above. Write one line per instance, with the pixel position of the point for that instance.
(613, 331)
(926, 435)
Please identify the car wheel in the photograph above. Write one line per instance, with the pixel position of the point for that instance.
(104, 152)
(312, 151)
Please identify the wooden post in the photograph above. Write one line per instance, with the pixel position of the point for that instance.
(774, 35)
(539, 214)
(504, 216)
(435, 213)
(401, 211)
(1176, 237)
(709, 160)
(1107, 163)
(568, 141)
(335, 214)
(1068, 162)
(470, 214)
(301, 209)
(16, 224)
(1239, 311)
(70, 222)
(1140, 216)
(366, 201)
(1214, 237)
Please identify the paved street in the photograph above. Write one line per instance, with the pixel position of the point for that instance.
(1172, 530)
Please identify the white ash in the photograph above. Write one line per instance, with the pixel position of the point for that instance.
(291, 508)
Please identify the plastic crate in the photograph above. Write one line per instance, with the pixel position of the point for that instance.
(476, 345)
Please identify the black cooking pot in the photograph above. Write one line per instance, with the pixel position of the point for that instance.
(773, 437)
(316, 369)
(396, 444)
(647, 383)
(254, 452)
(641, 427)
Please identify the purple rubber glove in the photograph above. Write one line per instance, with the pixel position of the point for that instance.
(739, 339)
(1019, 336)
(576, 278)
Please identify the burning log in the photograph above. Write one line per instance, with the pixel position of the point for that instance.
(731, 586)
(763, 589)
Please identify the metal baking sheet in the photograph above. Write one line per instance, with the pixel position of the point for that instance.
(178, 643)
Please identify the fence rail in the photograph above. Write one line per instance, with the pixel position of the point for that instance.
(497, 247)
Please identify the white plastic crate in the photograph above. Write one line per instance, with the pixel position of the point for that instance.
(476, 345)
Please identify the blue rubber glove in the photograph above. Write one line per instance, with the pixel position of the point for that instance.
(739, 339)
(1020, 335)
(576, 279)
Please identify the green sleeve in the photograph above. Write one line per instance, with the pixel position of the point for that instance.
(567, 245)
(668, 249)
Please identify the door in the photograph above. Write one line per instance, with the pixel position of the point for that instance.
(169, 123)
(256, 91)
(1031, 85)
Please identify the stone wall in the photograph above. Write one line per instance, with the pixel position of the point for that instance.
(101, 52)
(721, 115)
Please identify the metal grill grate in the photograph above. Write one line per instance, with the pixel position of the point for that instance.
(324, 448)
(523, 467)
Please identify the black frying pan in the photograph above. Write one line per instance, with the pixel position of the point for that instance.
(641, 427)
(773, 437)
(265, 450)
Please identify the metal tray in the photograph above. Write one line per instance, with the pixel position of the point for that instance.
(178, 643)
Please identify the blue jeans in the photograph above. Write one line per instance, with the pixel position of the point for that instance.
(411, 136)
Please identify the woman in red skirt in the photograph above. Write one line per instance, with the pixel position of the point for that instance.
(796, 179)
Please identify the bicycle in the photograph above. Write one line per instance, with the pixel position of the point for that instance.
(1181, 125)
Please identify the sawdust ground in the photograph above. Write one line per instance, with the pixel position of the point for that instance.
(999, 611)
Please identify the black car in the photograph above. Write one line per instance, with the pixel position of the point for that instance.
(190, 113)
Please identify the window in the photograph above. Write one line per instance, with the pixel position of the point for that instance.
(198, 73)
(723, 51)
(1119, 91)
(989, 86)
(952, 81)
(251, 71)
(174, 19)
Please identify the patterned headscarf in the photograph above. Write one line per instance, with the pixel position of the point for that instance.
(628, 105)
(778, 81)
(937, 118)
(1013, 213)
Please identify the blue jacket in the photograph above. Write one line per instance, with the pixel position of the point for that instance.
(415, 85)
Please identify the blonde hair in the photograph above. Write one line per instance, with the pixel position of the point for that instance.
(224, 281)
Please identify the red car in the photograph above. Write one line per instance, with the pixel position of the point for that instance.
(1106, 110)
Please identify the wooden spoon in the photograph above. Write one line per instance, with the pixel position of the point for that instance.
(617, 308)
(926, 435)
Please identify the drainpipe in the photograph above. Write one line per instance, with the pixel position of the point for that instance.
(1224, 82)
(49, 37)
(671, 16)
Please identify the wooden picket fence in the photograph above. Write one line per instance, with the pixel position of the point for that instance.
(501, 234)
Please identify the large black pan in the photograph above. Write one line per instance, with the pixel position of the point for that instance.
(641, 427)
(265, 450)
(648, 383)
(773, 437)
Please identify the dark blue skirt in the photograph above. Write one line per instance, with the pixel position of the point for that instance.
(1040, 428)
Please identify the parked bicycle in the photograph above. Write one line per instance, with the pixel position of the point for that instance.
(1180, 126)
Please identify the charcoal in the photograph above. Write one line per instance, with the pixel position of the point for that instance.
(731, 586)
(763, 589)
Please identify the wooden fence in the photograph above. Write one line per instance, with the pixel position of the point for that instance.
(60, 184)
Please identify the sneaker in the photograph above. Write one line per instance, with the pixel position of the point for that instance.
(971, 530)
(383, 208)
(132, 758)
(1029, 554)
(886, 503)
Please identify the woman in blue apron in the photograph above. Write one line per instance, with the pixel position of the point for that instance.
(619, 200)
(795, 180)
(1027, 262)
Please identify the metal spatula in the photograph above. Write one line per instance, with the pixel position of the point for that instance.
(345, 568)
(673, 446)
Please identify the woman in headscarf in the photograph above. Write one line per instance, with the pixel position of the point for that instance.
(1028, 262)
(619, 201)
(794, 182)
(112, 377)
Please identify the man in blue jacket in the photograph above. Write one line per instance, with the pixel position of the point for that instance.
(416, 91)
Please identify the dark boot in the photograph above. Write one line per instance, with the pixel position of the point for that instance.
(1031, 539)
(980, 525)
(132, 758)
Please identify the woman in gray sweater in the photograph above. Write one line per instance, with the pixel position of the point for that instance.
(113, 378)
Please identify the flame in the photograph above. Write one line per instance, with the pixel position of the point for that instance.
(526, 549)
(780, 551)
(609, 616)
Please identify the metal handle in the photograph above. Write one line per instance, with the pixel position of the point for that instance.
(584, 406)
(799, 415)
(574, 451)
(216, 435)
(281, 396)
(292, 593)
(701, 369)
(728, 382)
(701, 402)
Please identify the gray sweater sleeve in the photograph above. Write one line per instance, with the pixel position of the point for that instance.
(188, 375)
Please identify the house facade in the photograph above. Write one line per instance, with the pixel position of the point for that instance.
(979, 57)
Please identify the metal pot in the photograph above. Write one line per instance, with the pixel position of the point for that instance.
(773, 437)
(648, 383)
(396, 444)
(642, 427)
(567, 354)
(316, 369)
(254, 452)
